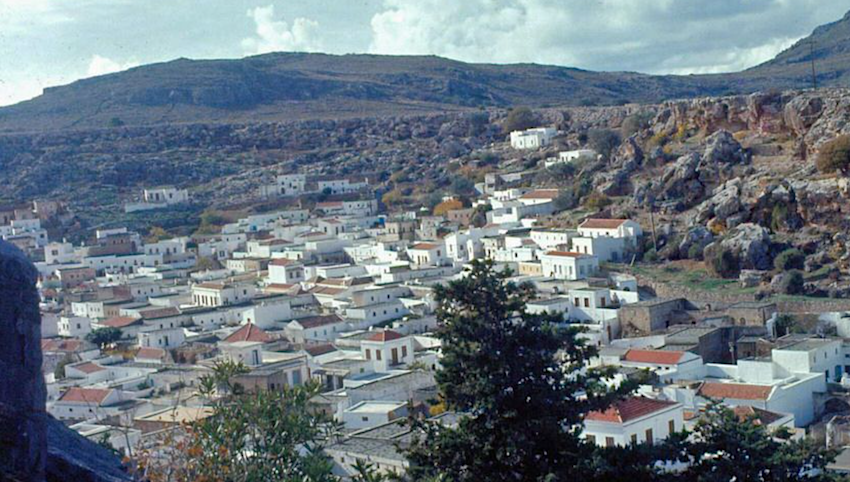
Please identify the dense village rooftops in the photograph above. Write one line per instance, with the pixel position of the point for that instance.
(121, 322)
(329, 204)
(212, 286)
(654, 357)
(273, 242)
(178, 414)
(594, 223)
(633, 408)
(736, 391)
(64, 345)
(326, 290)
(317, 321)
(85, 395)
(807, 344)
(248, 332)
(757, 415)
(146, 353)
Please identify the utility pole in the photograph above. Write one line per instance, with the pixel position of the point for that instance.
(652, 223)
(812, 59)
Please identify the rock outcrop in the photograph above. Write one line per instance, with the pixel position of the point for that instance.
(23, 429)
(34, 447)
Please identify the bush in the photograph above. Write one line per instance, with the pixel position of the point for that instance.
(446, 206)
(791, 283)
(596, 201)
(566, 200)
(695, 252)
(789, 259)
(519, 118)
(650, 256)
(835, 155)
(603, 141)
(724, 263)
(636, 123)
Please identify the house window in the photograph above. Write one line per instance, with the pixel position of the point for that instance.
(576, 303)
(368, 354)
(364, 419)
(609, 441)
(587, 302)
(672, 426)
(378, 354)
(591, 439)
(404, 351)
(634, 439)
(649, 436)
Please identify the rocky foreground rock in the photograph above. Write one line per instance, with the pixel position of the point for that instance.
(34, 446)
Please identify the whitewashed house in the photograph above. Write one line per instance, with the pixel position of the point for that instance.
(533, 138)
(568, 265)
(633, 421)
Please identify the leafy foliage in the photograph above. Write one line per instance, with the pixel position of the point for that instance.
(723, 262)
(789, 259)
(104, 336)
(446, 206)
(519, 118)
(603, 141)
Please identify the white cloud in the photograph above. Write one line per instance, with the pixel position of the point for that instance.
(99, 65)
(276, 35)
(654, 36)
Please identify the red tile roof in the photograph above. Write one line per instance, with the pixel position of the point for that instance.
(541, 194)
(150, 353)
(63, 345)
(249, 332)
(592, 223)
(320, 320)
(320, 349)
(85, 395)
(159, 313)
(121, 321)
(425, 246)
(386, 335)
(566, 254)
(629, 409)
(738, 391)
(654, 357)
(283, 262)
(88, 367)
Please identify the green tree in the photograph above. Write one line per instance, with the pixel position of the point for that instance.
(636, 123)
(835, 155)
(726, 448)
(722, 262)
(521, 378)
(104, 336)
(519, 118)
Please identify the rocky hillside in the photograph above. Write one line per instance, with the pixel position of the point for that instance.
(297, 86)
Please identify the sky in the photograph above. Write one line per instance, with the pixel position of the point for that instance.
(53, 42)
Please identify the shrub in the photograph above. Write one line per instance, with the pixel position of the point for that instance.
(446, 206)
(723, 262)
(791, 283)
(519, 118)
(650, 256)
(789, 259)
(636, 123)
(603, 141)
(596, 201)
(658, 139)
(695, 252)
(835, 155)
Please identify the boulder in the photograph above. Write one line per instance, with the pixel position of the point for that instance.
(802, 111)
(751, 243)
(696, 236)
(722, 148)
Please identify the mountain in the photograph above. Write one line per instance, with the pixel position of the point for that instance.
(299, 86)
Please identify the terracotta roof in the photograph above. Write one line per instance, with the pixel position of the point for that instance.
(249, 332)
(150, 353)
(320, 349)
(593, 223)
(121, 321)
(541, 194)
(629, 409)
(283, 262)
(326, 290)
(757, 415)
(317, 321)
(329, 204)
(386, 335)
(654, 357)
(211, 286)
(425, 246)
(566, 254)
(159, 313)
(738, 391)
(85, 395)
(88, 367)
(63, 345)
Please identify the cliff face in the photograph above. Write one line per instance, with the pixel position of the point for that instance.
(34, 447)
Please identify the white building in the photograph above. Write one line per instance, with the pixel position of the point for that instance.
(532, 138)
(615, 228)
(388, 350)
(427, 254)
(566, 157)
(567, 265)
(373, 413)
(74, 326)
(285, 271)
(632, 421)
